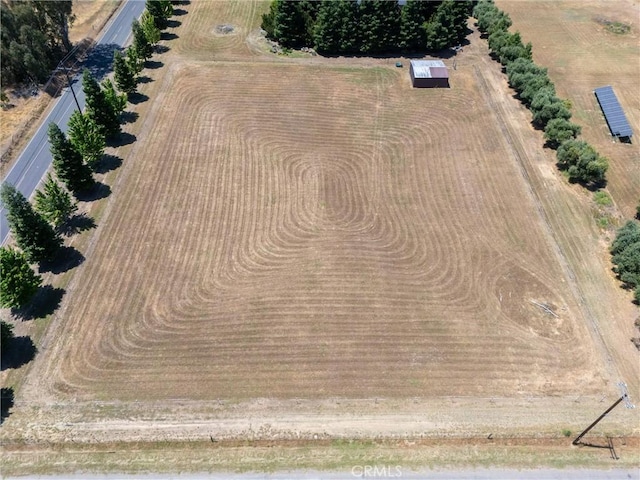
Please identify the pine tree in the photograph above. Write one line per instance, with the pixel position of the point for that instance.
(412, 31)
(35, 237)
(150, 29)
(6, 335)
(54, 203)
(135, 63)
(67, 162)
(141, 44)
(124, 77)
(336, 27)
(99, 108)
(291, 24)
(160, 11)
(116, 101)
(86, 137)
(379, 26)
(18, 281)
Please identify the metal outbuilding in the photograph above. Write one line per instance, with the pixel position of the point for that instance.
(613, 113)
(429, 74)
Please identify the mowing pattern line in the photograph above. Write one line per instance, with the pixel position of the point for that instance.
(320, 232)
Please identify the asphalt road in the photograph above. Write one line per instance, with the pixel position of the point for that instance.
(382, 472)
(35, 159)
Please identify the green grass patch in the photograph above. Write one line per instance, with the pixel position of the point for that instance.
(602, 198)
(619, 28)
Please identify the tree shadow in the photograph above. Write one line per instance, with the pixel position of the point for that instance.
(153, 64)
(46, 301)
(66, 259)
(6, 402)
(178, 12)
(78, 223)
(160, 49)
(100, 60)
(128, 116)
(124, 139)
(145, 79)
(591, 186)
(168, 36)
(98, 192)
(136, 98)
(173, 23)
(107, 163)
(21, 350)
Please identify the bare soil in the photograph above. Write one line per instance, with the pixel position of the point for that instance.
(308, 248)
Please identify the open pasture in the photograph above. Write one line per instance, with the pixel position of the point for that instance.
(292, 230)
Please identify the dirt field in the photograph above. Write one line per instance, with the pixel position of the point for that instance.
(304, 247)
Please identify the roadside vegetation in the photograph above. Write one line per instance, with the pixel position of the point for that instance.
(368, 26)
(36, 229)
(35, 36)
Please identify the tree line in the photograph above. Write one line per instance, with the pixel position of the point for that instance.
(37, 228)
(367, 26)
(34, 37)
(535, 90)
(625, 255)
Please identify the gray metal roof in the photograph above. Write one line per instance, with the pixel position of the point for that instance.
(429, 69)
(613, 112)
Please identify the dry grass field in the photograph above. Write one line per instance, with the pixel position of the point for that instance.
(310, 245)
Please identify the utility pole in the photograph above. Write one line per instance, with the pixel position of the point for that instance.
(624, 397)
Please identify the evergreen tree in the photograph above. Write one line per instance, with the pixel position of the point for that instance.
(141, 44)
(160, 11)
(59, 17)
(291, 24)
(135, 63)
(54, 203)
(448, 25)
(35, 237)
(336, 27)
(18, 282)
(67, 162)
(150, 29)
(99, 108)
(116, 101)
(34, 36)
(412, 31)
(124, 77)
(379, 26)
(6, 335)
(86, 137)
